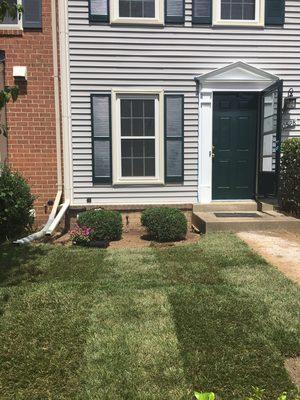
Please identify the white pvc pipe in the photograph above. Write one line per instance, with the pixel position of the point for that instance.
(42, 232)
(54, 224)
(56, 94)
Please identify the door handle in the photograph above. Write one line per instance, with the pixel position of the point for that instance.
(212, 153)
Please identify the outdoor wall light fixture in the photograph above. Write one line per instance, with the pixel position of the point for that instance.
(290, 102)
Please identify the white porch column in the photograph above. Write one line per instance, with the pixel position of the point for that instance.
(205, 145)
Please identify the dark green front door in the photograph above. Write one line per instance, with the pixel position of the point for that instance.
(234, 145)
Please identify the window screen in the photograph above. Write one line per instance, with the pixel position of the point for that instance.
(138, 137)
(238, 9)
(9, 20)
(137, 8)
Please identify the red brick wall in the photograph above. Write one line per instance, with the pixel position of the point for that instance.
(31, 120)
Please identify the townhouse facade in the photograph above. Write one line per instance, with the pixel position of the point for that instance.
(179, 101)
(161, 101)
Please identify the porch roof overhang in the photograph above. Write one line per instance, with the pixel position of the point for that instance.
(237, 73)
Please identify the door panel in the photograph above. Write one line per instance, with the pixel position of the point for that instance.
(234, 140)
(270, 140)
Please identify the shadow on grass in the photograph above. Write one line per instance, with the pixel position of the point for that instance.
(224, 342)
(19, 264)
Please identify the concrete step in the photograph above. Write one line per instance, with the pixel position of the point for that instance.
(233, 206)
(267, 205)
(207, 222)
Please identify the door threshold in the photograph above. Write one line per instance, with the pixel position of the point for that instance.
(234, 201)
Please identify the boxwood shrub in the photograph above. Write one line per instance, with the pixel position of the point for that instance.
(16, 203)
(290, 176)
(106, 225)
(164, 224)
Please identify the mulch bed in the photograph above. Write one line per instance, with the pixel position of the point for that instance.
(134, 237)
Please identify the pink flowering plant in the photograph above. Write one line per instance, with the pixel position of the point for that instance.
(81, 236)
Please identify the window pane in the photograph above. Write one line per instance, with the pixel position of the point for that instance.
(137, 117)
(150, 167)
(126, 127)
(124, 8)
(137, 148)
(137, 8)
(267, 164)
(270, 112)
(149, 108)
(149, 127)
(126, 108)
(126, 167)
(8, 20)
(149, 148)
(137, 108)
(138, 167)
(238, 9)
(137, 127)
(149, 9)
(138, 157)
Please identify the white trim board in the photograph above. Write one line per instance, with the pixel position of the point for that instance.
(236, 77)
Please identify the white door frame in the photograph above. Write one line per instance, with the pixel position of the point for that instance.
(237, 77)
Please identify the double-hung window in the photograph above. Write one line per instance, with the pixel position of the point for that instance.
(12, 22)
(30, 18)
(137, 137)
(137, 11)
(239, 12)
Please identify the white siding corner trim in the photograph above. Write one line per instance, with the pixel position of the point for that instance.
(237, 77)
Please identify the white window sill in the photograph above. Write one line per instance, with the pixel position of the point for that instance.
(233, 23)
(140, 182)
(137, 21)
(10, 27)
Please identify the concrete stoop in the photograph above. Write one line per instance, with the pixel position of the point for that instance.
(241, 216)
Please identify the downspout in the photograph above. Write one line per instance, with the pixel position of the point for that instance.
(65, 103)
(53, 219)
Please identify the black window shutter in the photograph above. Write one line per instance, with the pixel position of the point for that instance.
(275, 12)
(174, 138)
(101, 137)
(99, 10)
(202, 12)
(175, 11)
(32, 14)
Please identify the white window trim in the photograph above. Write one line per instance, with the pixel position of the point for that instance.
(259, 16)
(158, 20)
(18, 26)
(117, 94)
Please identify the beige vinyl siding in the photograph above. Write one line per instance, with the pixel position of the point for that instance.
(103, 57)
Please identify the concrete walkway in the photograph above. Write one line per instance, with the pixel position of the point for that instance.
(282, 249)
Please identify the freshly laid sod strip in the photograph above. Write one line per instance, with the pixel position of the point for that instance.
(144, 324)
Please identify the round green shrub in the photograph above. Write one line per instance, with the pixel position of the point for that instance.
(290, 176)
(106, 225)
(16, 203)
(164, 224)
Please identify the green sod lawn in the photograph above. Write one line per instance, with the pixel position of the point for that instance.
(144, 324)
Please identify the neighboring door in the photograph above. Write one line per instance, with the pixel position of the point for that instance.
(234, 145)
(270, 140)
